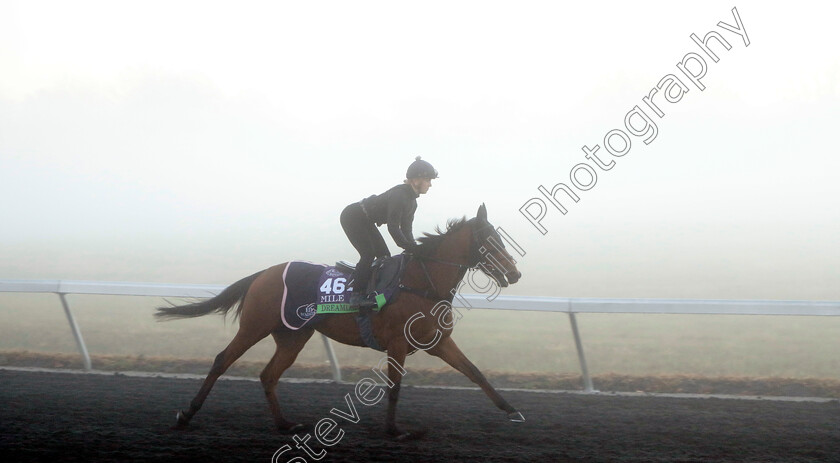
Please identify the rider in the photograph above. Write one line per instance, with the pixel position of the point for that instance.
(396, 208)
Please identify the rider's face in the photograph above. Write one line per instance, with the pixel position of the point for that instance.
(421, 185)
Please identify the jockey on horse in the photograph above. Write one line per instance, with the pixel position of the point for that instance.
(394, 207)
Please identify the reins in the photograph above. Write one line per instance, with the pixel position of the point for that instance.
(433, 293)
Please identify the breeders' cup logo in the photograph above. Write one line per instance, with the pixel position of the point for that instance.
(305, 312)
(331, 272)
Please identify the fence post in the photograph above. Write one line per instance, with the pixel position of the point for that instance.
(80, 342)
(336, 369)
(587, 380)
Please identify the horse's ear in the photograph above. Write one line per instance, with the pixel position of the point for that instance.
(482, 213)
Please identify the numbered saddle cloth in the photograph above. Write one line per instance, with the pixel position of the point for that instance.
(300, 281)
(314, 290)
(333, 292)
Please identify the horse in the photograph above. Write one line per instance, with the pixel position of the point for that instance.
(415, 319)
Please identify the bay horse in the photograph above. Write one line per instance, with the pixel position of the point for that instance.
(410, 322)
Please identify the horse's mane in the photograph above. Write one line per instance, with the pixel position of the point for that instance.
(430, 242)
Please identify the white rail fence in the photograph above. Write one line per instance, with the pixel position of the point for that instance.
(571, 306)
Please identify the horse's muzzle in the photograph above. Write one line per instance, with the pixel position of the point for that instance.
(513, 277)
(507, 278)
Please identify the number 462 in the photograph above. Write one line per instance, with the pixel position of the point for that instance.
(333, 285)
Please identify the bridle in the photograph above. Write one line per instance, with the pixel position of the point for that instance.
(474, 259)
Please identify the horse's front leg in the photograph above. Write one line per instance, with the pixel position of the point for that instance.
(396, 357)
(449, 352)
(396, 361)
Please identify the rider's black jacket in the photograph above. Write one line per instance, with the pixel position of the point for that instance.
(396, 208)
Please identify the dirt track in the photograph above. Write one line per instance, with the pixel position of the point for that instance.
(68, 417)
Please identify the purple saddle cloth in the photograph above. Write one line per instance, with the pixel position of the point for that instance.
(313, 291)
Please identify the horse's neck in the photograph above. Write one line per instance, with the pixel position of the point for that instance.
(455, 252)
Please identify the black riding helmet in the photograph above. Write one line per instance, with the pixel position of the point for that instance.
(420, 169)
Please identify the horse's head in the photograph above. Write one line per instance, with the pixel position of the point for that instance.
(488, 251)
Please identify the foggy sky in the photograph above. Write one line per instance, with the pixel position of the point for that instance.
(200, 142)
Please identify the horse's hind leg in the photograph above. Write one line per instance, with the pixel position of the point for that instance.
(289, 344)
(245, 338)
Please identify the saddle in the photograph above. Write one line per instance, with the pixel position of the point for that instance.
(312, 291)
(385, 272)
(348, 267)
(335, 284)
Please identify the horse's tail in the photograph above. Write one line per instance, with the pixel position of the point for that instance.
(232, 296)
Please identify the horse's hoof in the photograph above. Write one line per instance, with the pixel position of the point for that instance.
(294, 429)
(181, 420)
(516, 417)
